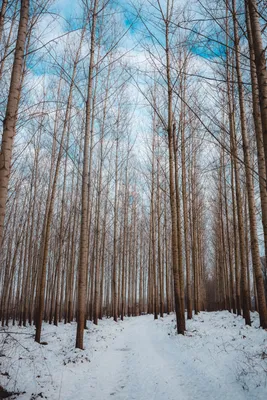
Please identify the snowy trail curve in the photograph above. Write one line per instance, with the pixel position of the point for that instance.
(144, 363)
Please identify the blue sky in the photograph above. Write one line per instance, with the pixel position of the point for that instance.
(71, 8)
(67, 8)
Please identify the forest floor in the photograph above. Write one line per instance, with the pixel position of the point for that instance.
(139, 358)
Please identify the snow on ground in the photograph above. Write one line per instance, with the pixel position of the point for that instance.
(139, 358)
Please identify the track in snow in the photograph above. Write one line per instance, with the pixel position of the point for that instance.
(144, 363)
(219, 358)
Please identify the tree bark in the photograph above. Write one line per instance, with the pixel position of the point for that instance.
(9, 125)
(260, 62)
(82, 278)
(250, 190)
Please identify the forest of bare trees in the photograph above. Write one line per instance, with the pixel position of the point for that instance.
(133, 160)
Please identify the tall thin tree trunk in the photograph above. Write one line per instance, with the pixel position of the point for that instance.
(2, 17)
(9, 125)
(115, 257)
(250, 188)
(177, 285)
(82, 278)
(260, 62)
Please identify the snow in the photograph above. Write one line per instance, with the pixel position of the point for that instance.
(139, 358)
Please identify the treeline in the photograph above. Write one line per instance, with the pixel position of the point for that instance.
(132, 177)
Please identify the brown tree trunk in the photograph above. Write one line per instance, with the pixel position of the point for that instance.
(185, 209)
(180, 316)
(250, 188)
(125, 243)
(9, 125)
(115, 256)
(161, 299)
(82, 278)
(2, 17)
(260, 62)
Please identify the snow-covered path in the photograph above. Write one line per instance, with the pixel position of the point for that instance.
(141, 364)
(144, 363)
(143, 359)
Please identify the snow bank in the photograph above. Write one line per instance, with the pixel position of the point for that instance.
(225, 352)
(44, 371)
